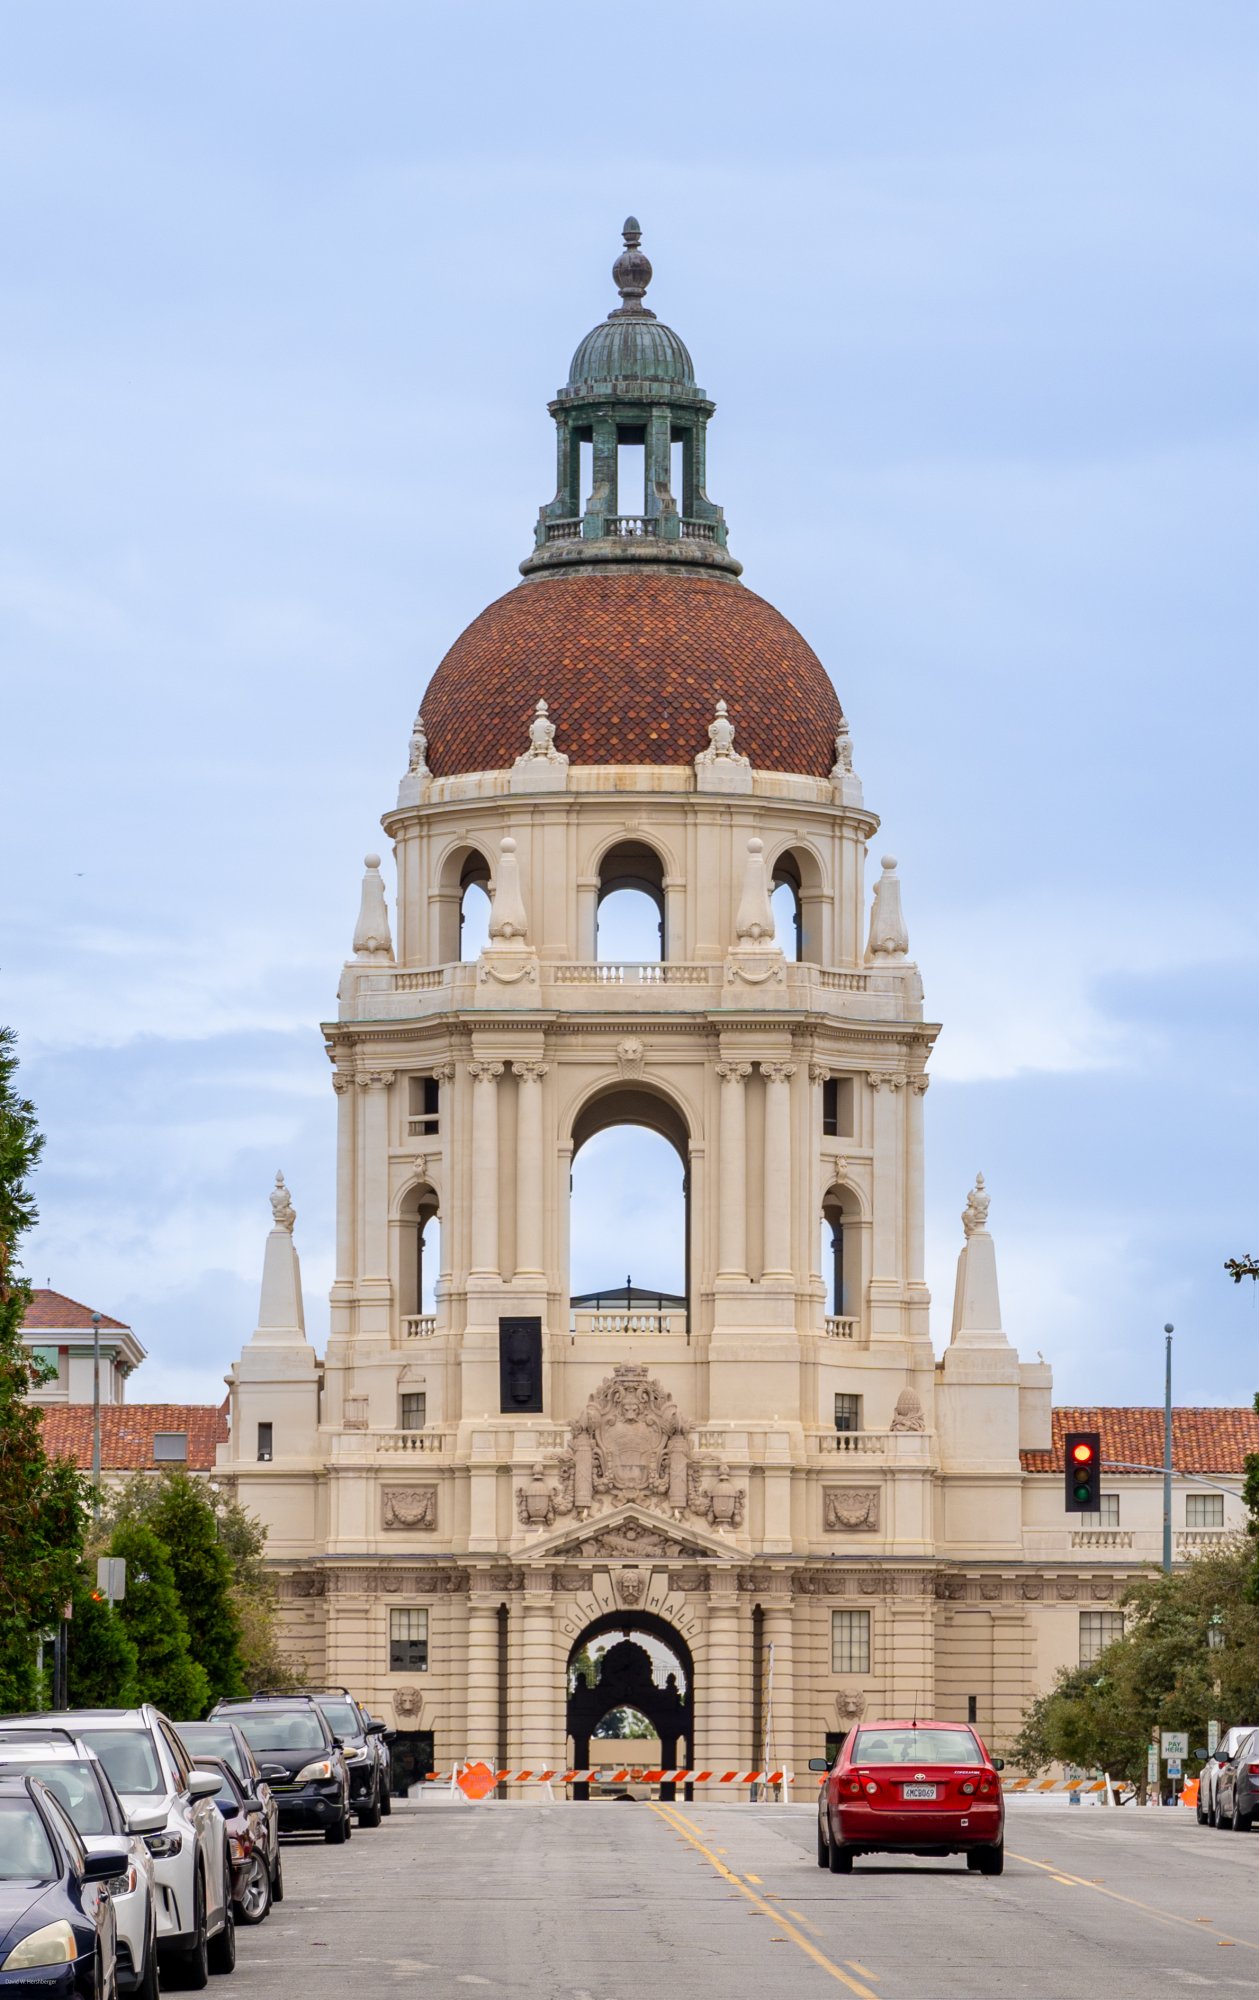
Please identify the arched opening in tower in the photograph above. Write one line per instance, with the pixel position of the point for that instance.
(630, 906)
(631, 1681)
(629, 1218)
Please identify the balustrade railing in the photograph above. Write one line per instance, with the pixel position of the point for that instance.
(1191, 1541)
(641, 1320)
(563, 531)
(838, 1327)
(853, 1444)
(429, 1443)
(419, 1326)
(844, 982)
(631, 527)
(1102, 1538)
(607, 972)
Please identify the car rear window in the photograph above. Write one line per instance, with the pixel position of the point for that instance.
(915, 1746)
(281, 1729)
(203, 1739)
(129, 1757)
(25, 1850)
(75, 1783)
(341, 1718)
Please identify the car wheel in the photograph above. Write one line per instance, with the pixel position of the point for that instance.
(386, 1802)
(149, 1987)
(255, 1904)
(823, 1858)
(370, 1815)
(338, 1831)
(840, 1860)
(1200, 1811)
(349, 1820)
(1237, 1822)
(194, 1962)
(221, 1951)
(991, 1860)
(277, 1878)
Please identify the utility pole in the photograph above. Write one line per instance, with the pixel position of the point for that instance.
(1167, 1455)
(96, 1415)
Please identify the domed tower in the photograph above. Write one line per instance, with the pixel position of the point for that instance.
(501, 1472)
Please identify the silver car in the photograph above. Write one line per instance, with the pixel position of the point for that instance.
(1209, 1780)
(1237, 1786)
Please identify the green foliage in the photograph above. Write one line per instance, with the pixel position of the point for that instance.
(154, 1621)
(104, 1665)
(624, 1725)
(42, 1513)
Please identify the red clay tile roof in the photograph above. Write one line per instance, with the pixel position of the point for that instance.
(54, 1312)
(1202, 1440)
(127, 1431)
(632, 667)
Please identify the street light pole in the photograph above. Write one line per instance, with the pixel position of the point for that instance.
(96, 1415)
(1167, 1456)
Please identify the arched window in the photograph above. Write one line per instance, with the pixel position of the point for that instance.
(419, 1262)
(629, 1218)
(833, 1258)
(785, 903)
(801, 906)
(462, 901)
(630, 905)
(844, 1253)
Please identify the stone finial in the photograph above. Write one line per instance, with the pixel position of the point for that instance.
(975, 1213)
(722, 768)
(417, 754)
(371, 933)
(509, 925)
(909, 1414)
(720, 739)
(542, 739)
(754, 921)
(888, 935)
(283, 1213)
(631, 274)
(842, 767)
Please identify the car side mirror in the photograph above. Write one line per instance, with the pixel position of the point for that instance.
(148, 1821)
(107, 1862)
(375, 1728)
(818, 1764)
(252, 1805)
(998, 1763)
(203, 1784)
(390, 1734)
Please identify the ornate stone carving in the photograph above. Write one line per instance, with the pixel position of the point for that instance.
(417, 750)
(888, 935)
(374, 1079)
(754, 919)
(920, 1084)
(990, 1588)
(443, 1072)
(842, 767)
(720, 738)
(850, 1510)
(734, 1072)
(371, 933)
(819, 1073)
(541, 740)
(975, 1213)
(950, 1587)
(308, 1583)
(1103, 1587)
(870, 1584)
(777, 1072)
(407, 1703)
(637, 1538)
(530, 1072)
(909, 1414)
(1032, 1587)
(410, 1507)
(535, 1501)
(631, 1585)
(885, 1079)
(725, 1502)
(485, 1072)
(283, 1213)
(509, 923)
(1067, 1586)
(631, 1057)
(688, 1579)
(849, 1707)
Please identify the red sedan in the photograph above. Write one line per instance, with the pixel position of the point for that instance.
(911, 1788)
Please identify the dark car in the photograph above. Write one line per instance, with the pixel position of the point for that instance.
(57, 1933)
(227, 1740)
(911, 1788)
(300, 1759)
(365, 1742)
(246, 1842)
(1237, 1787)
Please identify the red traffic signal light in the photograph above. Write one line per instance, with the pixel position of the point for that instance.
(1083, 1453)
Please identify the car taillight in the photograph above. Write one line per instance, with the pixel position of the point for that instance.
(871, 1787)
(1253, 1770)
(985, 1784)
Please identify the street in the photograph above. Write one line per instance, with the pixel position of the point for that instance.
(724, 1902)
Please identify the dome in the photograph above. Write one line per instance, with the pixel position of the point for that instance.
(632, 350)
(632, 666)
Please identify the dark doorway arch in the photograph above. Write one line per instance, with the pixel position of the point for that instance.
(626, 1675)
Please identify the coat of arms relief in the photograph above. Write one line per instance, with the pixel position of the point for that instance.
(630, 1442)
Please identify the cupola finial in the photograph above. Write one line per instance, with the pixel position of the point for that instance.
(631, 275)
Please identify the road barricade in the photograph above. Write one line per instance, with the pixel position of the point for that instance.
(477, 1779)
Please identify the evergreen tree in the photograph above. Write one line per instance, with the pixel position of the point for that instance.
(183, 1516)
(154, 1621)
(104, 1665)
(42, 1511)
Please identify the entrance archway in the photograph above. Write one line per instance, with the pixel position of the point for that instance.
(633, 1660)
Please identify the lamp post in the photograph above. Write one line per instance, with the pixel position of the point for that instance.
(96, 1415)
(1167, 1455)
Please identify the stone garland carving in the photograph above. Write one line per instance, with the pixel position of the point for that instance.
(950, 1588)
(631, 1443)
(410, 1507)
(909, 1414)
(1032, 1587)
(850, 1510)
(308, 1584)
(638, 1538)
(1067, 1587)
(990, 1588)
(1103, 1586)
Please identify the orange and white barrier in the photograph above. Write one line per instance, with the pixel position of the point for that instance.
(477, 1779)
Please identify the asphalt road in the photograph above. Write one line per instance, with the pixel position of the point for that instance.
(726, 1902)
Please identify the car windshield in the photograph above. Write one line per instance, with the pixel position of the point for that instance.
(281, 1729)
(25, 1850)
(915, 1746)
(77, 1784)
(341, 1718)
(209, 1739)
(129, 1757)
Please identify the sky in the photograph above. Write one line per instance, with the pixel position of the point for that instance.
(284, 291)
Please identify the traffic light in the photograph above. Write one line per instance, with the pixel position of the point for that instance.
(1084, 1472)
(520, 1366)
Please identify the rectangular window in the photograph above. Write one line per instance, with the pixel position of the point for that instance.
(850, 1642)
(847, 1413)
(264, 1444)
(412, 1406)
(1204, 1510)
(422, 1105)
(408, 1642)
(1097, 1631)
(170, 1447)
(837, 1108)
(1107, 1515)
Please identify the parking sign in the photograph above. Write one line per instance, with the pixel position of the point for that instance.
(1175, 1743)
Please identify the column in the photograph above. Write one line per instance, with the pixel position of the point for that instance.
(541, 1733)
(485, 1077)
(482, 1678)
(779, 1633)
(915, 1260)
(776, 1231)
(888, 1188)
(530, 1179)
(732, 1195)
(374, 1180)
(719, 1713)
(343, 1085)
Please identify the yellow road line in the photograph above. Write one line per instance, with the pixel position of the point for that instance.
(676, 1820)
(864, 1970)
(1133, 1902)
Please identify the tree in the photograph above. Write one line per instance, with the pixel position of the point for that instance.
(103, 1663)
(154, 1621)
(42, 1510)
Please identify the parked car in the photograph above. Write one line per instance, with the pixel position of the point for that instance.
(927, 1788)
(1209, 1777)
(1237, 1786)
(208, 1740)
(366, 1746)
(300, 1759)
(247, 1844)
(58, 1930)
(79, 1781)
(151, 1771)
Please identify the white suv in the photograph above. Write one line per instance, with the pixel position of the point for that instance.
(1209, 1778)
(151, 1771)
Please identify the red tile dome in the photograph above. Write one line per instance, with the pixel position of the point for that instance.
(632, 667)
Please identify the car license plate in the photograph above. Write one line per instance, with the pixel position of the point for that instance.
(920, 1791)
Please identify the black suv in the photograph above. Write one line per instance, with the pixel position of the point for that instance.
(366, 1745)
(301, 1759)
